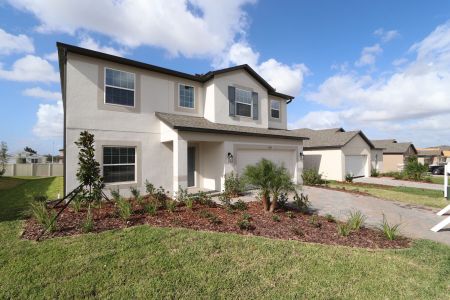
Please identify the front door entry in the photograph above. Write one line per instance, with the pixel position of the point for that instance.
(191, 166)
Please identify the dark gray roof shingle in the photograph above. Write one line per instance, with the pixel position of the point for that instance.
(328, 138)
(199, 124)
(429, 152)
(392, 146)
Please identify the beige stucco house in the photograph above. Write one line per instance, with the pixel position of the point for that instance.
(395, 154)
(168, 127)
(336, 153)
(430, 156)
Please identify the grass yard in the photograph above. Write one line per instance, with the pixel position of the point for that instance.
(438, 179)
(147, 262)
(431, 198)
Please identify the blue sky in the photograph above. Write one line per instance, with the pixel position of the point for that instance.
(379, 66)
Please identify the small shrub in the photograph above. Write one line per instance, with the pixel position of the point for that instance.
(205, 199)
(246, 216)
(276, 218)
(213, 219)
(171, 206)
(415, 170)
(135, 192)
(205, 214)
(151, 208)
(76, 203)
(115, 195)
(356, 220)
(343, 229)
(399, 175)
(244, 225)
(149, 188)
(43, 215)
(314, 221)
(124, 208)
(290, 214)
(240, 205)
(330, 218)
(348, 178)
(301, 202)
(298, 231)
(374, 173)
(40, 198)
(189, 202)
(282, 200)
(390, 231)
(182, 194)
(88, 224)
(225, 199)
(312, 177)
(230, 210)
(233, 185)
(161, 196)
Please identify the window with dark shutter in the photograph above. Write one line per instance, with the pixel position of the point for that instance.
(255, 105)
(231, 100)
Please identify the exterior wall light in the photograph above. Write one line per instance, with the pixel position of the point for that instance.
(230, 158)
(301, 155)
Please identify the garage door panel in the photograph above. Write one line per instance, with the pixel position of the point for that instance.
(355, 165)
(253, 156)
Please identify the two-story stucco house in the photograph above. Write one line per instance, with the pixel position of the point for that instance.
(168, 127)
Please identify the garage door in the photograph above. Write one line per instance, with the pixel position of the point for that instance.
(355, 165)
(252, 156)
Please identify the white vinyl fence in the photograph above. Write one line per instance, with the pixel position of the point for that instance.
(43, 170)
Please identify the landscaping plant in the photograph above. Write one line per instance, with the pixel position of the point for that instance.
(349, 178)
(312, 177)
(124, 208)
(415, 170)
(233, 185)
(43, 216)
(314, 221)
(390, 231)
(150, 188)
(343, 229)
(77, 203)
(88, 224)
(301, 202)
(171, 205)
(356, 220)
(240, 205)
(276, 218)
(290, 214)
(151, 208)
(115, 195)
(330, 218)
(40, 197)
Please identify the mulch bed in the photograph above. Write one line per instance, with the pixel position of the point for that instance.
(301, 227)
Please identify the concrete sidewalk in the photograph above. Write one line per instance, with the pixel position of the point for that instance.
(415, 221)
(394, 182)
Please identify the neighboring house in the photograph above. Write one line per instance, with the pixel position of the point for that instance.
(336, 153)
(395, 154)
(446, 154)
(430, 156)
(168, 127)
(25, 157)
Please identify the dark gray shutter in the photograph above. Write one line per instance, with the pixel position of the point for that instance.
(255, 105)
(231, 100)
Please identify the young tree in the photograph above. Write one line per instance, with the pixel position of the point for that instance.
(88, 173)
(3, 157)
(29, 150)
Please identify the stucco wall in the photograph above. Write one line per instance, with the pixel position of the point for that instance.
(358, 146)
(280, 123)
(377, 160)
(392, 162)
(329, 163)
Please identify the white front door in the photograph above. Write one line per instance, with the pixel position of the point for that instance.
(356, 165)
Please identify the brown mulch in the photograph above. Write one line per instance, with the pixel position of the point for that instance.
(300, 227)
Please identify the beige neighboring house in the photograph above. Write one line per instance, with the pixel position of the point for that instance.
(395, 154)
(430, 156)
(168, 127)
(336, 153)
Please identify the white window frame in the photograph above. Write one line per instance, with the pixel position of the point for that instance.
(117, 87)
(236, 102)
(179, 96)
(279, 110)
(135, 164)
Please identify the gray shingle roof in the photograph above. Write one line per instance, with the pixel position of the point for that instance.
(198, 124)
(429, 152)
(392, 146)
(328, 138)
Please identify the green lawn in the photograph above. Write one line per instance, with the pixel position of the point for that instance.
(438, 179)
(431, 198)
(146, 262)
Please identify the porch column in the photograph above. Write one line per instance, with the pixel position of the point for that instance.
(299, 165)
(179, 163)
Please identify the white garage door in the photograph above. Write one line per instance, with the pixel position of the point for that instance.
(355, 165)
(252, 156)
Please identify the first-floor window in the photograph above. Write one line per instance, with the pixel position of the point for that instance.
(275, 109)
(119, 164)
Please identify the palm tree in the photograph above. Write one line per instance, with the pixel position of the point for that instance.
(269, 178)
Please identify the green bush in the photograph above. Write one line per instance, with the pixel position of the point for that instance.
(240, 205)
(151, 208)
(189, 202)
(343, 229)
(314, 221)
(124, 208)
(76, 203)
(225, 199)
(115, 195)
(149, 188)
(290, 214)
(233, 185)
(88, 224)
(374, 173)
(283, 200)
(301, 202)
(276, 218)
(135, 192)
(182, 194)
(171, 205)
(390, 231)
(349, 178)
(330, 218)
(356, 220)
(43, 216)
(312, 177)
(415, 170)
(244, 225)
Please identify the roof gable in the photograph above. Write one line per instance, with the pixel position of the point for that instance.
(329, 138)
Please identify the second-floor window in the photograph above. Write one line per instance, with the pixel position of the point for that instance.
(186, 96)
(119, 87)
(275, 109)
(243, 103)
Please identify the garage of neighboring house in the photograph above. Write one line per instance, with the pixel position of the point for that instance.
(336, 153)
(395, 154)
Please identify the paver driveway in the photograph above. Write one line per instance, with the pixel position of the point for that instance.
(394, 182)
(415, 221)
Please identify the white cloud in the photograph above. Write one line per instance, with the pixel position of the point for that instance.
(38, 92)
(399, 61)
(190, 28)
(52, 56)
(386, 35)
(284, 78)
(90, 43)
(369, 55)
(49, 120)
(411, 102)
(30, 68)
(318, 120)
(10, 43)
